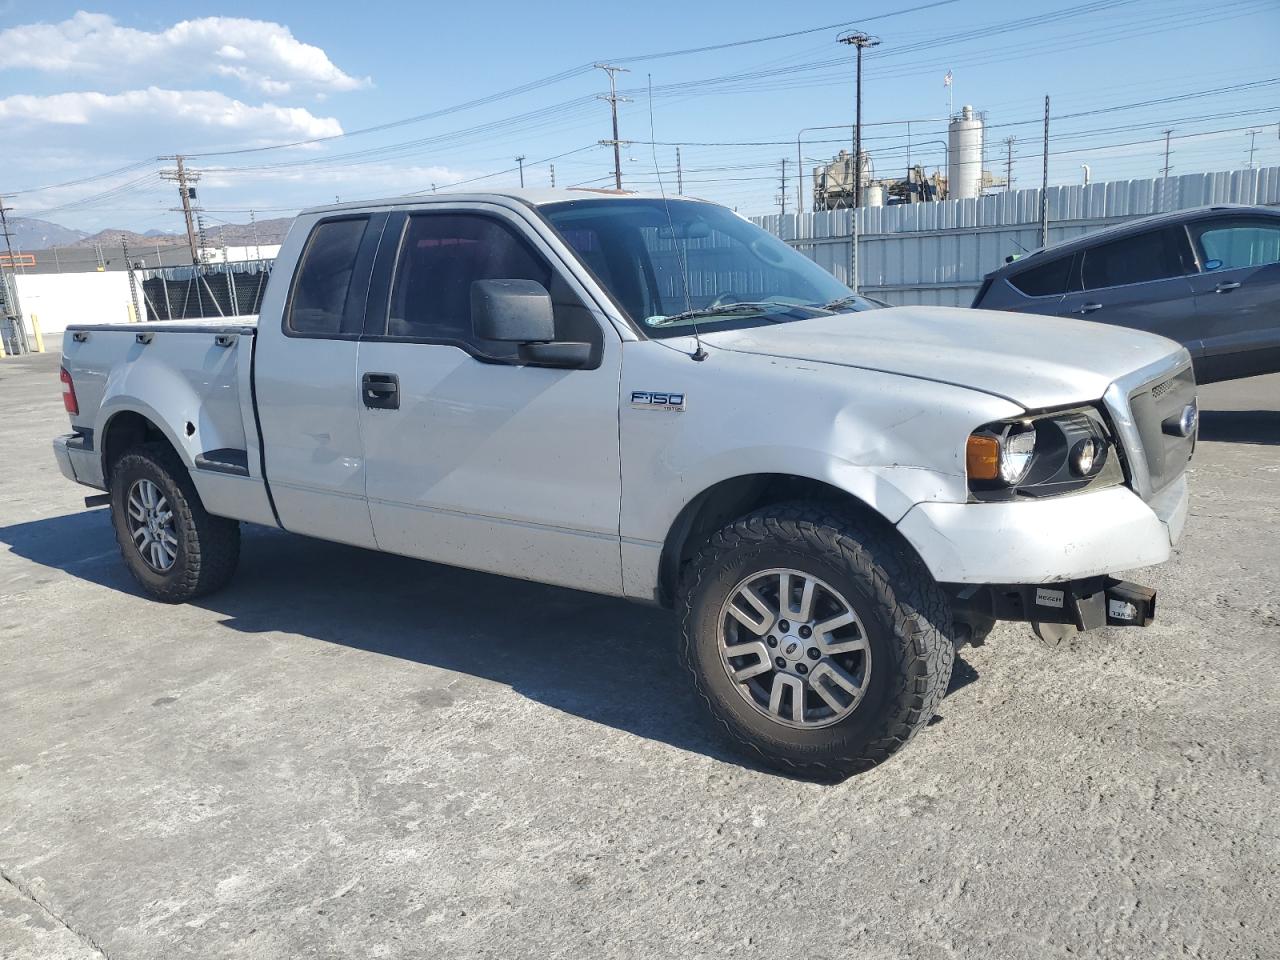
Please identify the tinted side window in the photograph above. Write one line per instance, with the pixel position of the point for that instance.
(442, 254)
(1047, 280)
(1243, 243)
(320, 292)
(1137, 259)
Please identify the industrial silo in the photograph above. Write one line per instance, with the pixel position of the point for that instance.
(964, 155)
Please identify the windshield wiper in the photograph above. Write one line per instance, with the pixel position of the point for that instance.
(724, 310)
(841, 302)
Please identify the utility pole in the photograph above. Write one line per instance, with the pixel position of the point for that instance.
(614, 100)
(553, 176)
(679, 174)
(1167, 135)
(1253, 137)
(184, 178)
(1044, 181)
(1008, 163)
(860, 41)
(783, 192)
(520, 160)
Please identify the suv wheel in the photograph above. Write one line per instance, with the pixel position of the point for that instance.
(174, 548)
(818, 643)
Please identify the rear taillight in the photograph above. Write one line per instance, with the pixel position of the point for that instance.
(69, 393)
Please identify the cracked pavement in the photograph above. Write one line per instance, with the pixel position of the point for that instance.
(350, 754)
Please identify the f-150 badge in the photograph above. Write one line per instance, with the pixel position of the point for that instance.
(650, 400)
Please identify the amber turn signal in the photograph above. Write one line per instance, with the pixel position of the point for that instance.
(982, 458)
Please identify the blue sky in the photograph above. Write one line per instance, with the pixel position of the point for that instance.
(88, 90)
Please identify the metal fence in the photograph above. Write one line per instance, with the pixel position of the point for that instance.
(937, 253)
(210, 290)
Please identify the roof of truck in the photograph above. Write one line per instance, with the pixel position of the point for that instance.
(536, 197)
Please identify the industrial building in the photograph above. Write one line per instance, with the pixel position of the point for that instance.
(963, 174)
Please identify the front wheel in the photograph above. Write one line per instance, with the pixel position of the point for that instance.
(174, 548)
(817, 642)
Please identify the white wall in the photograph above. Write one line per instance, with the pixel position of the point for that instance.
(265, 251)
(59, 299)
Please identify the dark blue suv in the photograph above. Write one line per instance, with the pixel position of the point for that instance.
(1208, 278)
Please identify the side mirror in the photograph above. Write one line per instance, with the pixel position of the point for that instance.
(520, 311)
(514, 311)
(1212, 265)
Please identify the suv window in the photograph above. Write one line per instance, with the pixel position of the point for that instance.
(1244, 243)
(1047, 280)
(1138, 259)
(320, 293)
(442, 254)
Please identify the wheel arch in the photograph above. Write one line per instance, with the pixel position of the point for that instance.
(126, 428)
(735, 497)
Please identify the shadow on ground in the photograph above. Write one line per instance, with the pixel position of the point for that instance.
(1241, 426)
(606, 660)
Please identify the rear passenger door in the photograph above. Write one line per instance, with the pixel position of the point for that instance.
(1237, 295)
(305, 385)
(1138, 281)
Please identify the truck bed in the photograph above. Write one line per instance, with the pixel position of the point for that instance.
(194, 380)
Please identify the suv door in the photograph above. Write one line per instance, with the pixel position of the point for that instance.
(1237, 296)
(1138, 281)
(483, 462)
(307, 406)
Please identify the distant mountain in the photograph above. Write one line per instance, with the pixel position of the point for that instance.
(28, 233)
(31, 234)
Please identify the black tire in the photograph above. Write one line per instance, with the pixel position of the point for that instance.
(905, 615)
(208, 547)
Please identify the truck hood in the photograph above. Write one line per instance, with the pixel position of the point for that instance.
(1034, 361)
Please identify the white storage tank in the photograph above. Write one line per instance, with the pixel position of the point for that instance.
(964, 155)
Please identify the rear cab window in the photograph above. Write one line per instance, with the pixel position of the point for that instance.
(322, 304)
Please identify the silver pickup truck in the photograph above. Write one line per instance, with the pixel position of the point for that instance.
(652, 398)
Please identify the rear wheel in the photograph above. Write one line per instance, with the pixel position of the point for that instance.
(817, 642)
(174, 548)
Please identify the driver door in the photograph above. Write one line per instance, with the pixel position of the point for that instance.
(480, 461)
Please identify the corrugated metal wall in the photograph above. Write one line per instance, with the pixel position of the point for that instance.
(937, 253)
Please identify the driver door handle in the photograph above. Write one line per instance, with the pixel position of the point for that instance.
(1226, 286)
(1089, 308)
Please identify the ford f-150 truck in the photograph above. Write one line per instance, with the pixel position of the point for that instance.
(653, 398)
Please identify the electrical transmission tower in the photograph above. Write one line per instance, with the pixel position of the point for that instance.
(1008, 162)
(9, 291)
(614, 100)
(184, 178)
(1167, 135)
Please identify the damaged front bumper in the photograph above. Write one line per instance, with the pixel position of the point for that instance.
(1083, 604)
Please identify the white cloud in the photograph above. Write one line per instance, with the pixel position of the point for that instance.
(205, 110)
(262, 55)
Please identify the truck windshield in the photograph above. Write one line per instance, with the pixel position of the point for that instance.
(672, 264)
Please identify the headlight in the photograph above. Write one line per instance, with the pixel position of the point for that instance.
(1003, 456)
(1041, 455)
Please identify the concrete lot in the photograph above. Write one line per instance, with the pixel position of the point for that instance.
(353, 755)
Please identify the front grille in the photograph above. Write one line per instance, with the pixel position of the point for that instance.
(1151, 405)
